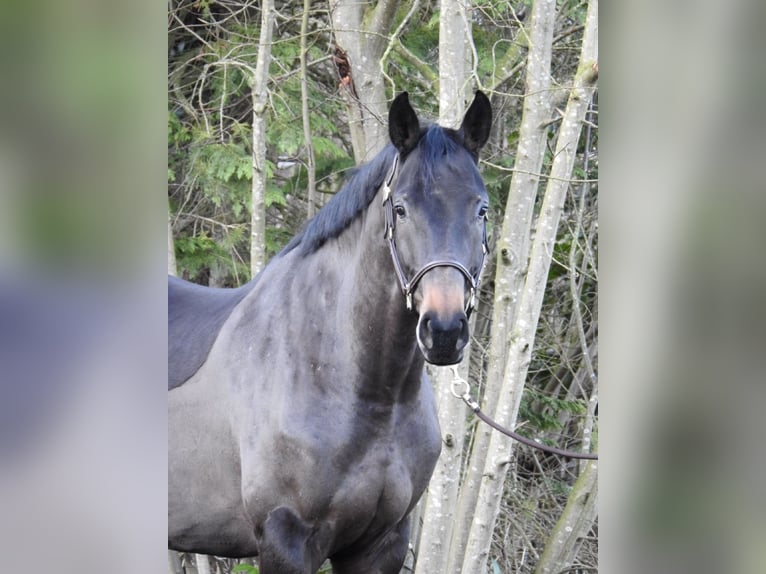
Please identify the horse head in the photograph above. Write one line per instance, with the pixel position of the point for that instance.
(436, 209)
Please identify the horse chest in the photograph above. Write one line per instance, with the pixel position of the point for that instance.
(375, 493)
(379, 489)
(359, 477)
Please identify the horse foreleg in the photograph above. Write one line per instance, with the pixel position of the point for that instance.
(385, 556)
(289, 545)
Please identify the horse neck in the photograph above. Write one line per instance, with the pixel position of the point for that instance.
(372, 308)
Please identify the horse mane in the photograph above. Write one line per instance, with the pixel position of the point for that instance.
(362, 186)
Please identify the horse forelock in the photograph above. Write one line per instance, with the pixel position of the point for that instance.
(436, 146)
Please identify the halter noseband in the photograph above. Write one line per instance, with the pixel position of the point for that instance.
(409, 286)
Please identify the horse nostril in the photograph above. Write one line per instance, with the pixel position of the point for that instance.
(425, 333)
(443, 332)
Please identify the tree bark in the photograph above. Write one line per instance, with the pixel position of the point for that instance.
(442, 494)
(260, 104)
(455, 40)
(309, 146)
(441, 498)
(512, 254)
(203, 563)
(574, 523)
(361, 30)
(172, 269)
(528, 313)
(174, 563)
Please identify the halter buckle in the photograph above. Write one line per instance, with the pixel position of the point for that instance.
(390, 179)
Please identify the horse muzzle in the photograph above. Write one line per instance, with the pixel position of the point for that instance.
(442, 330)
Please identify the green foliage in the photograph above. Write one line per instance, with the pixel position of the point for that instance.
(223, 172)
(249, 569)
(198, 252)
(178, 133)
(209, 138)
(423, 40)
(326, 148)
(542, 410)
(285, 131)
(246, 568)
(274, 195)
(226, 162)
(575, 10)
(276, 239)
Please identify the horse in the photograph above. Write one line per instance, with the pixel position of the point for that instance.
(302, 425)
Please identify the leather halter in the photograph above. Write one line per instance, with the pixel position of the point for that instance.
(408, 286)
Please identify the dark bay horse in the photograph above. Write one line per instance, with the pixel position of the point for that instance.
(301, 424)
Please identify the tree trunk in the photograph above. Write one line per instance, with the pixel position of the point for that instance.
(174, 563)
(528, 313)
(260, 105)
(455, 50)
(361, 30)
(310, 164)
(203, 563)
(575, 523)
(441, 498)
(172, 270)
(512, 253)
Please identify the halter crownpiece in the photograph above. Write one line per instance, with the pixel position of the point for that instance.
(408, 286)
(390, 179)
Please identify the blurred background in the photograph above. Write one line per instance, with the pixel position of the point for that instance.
(82, 286)
(683, 201)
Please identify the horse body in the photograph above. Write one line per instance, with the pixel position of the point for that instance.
(310, 430)
(355, 448)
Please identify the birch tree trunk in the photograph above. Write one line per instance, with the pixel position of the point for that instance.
(361, 30)
(203, 563)
(174, 563)
(455, 42)
(527, 315)
(310, 163)
(580, 511)
(260, 105)
(512, 250)
(171, 248)
(574, 523)
(441, 497)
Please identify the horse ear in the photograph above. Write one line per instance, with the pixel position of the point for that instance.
(403, 124)
(476, 123)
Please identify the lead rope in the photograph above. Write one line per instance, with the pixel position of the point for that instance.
(474, 406)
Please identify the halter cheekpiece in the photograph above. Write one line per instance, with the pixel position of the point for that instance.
(408, 286)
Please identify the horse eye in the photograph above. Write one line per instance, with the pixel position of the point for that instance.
(400, 211)
(483, 211)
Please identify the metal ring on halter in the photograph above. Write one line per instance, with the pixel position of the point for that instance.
(454, 385)
(466, 396)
